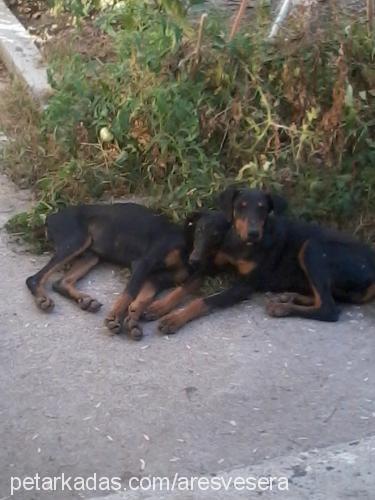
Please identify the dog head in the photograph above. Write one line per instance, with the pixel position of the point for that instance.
(248, 210)
(205, 231)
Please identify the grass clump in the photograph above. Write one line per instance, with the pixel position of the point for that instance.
(177, 121)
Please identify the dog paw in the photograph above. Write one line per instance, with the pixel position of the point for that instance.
(132, 307)
(153, 312)
(134, 310)
(113, 323)
(45, 303)
(89, 304)
(169, 324)
(285, 298)
(277, 309)
(133, 329)
(149, 316)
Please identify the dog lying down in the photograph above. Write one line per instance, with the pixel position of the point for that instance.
(311, 266)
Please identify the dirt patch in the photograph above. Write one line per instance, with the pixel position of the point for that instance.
(53, 33)
(38, 19)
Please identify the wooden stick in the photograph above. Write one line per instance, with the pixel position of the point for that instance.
(237, 20)
(196, 54)
(370, 16)
(200, 35)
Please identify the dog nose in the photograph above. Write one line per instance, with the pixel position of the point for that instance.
(193, 259)
(253, 234)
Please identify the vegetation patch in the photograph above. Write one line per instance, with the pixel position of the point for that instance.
(177, 116)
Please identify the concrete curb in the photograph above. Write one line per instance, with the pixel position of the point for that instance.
(21, 56)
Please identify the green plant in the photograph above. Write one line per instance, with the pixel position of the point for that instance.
(157, 119)
(81, 8)
(84, 8)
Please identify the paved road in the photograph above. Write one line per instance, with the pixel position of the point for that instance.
(232, 390)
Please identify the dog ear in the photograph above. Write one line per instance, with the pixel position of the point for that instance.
(189, 229)
(277, 204)
(192, 219)
(226, 199)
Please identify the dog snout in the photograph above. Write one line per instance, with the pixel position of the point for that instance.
(194, 259)
(253, 234)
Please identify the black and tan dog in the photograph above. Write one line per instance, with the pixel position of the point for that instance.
(205, 232)
(127, 234)
(159, 252)
(315, 266)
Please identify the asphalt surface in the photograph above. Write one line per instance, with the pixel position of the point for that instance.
(229, 391)
(334, 473)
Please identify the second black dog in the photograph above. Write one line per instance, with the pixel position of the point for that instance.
(127, 234)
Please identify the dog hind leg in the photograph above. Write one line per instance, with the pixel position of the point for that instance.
(312, 261)
(66, 285)
(64, 253)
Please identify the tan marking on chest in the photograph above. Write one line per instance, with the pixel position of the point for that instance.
(245, 266)
(180, 275)
(221, 259)
(173, 259)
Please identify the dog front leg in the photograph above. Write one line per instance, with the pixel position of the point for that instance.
(202, 306)
(115, 318)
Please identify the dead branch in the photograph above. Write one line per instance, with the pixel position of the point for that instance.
(237, 20)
